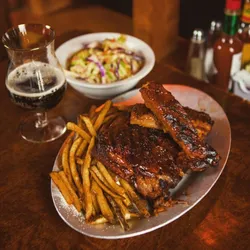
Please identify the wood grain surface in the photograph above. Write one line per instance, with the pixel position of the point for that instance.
(28, 219)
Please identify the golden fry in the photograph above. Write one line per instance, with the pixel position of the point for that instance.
(81, 148)
(104, 188)
(103, 204)
(94, 118)
(89, 125)
(123, 209)
(78, 130)
(102, 115)
(99, 175)
(133, 215)
(61, 186)
(87, 193)
(118, 189)
(95, 203)
(87, 160)
(100, 220)
(92, 111)
(65, 158)
(65, 143)
(72, 192)
(73, 168)
(126, 200)
(86, 180)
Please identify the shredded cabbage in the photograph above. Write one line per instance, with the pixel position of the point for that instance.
(106, 62)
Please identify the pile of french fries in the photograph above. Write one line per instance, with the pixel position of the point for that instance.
(86, 183)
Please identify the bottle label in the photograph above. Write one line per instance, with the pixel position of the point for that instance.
(246, 13)
(210, 68)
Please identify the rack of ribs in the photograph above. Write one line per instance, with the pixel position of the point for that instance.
(144, 157)
(154, 158)
(175, 120)
(142, 116)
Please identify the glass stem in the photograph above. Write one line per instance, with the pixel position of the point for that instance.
(42, 120)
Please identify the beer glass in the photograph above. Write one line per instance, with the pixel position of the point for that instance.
(35, 79)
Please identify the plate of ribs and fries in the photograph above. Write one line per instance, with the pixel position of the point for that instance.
(140, 161)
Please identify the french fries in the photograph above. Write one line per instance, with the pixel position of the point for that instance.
(104, 188)
(65, 158)
(102, 115)
(103, 204)
(79, 131)
(81, 148)
(74, 172)
(118, 189)
(72, 192)
(62, 187)
(140, 203)
(92, 111)
(89, 125)
(86, 183)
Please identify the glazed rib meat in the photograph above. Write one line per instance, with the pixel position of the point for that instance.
(144, 157)
(175, 120)
(152, 147)
(142, 116)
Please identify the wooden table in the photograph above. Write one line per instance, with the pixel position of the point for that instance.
(28, 219)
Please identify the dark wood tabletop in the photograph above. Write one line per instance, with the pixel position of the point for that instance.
(28, 219)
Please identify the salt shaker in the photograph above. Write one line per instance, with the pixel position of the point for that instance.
(196, 55)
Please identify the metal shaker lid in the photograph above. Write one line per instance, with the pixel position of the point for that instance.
(215, 25)
(198, 35)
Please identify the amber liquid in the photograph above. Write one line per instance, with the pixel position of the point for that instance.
(224, 49)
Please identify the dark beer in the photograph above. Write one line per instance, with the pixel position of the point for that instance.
(36, 85)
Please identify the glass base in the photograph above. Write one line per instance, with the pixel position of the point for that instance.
(32, 131)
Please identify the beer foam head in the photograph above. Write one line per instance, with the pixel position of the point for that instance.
(42, 73)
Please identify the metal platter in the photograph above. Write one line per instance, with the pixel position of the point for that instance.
(197, 185)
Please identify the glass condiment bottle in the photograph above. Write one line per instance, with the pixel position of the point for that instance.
(227, 49)
(213, 34)
(196, 55)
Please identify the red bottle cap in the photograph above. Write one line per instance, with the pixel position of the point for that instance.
(233, 4)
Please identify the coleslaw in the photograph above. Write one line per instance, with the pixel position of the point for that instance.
(105, 62)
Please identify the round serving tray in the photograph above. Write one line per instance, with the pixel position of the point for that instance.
(197, 185)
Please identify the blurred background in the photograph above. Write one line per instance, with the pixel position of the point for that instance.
(193, 13)
(162, 23)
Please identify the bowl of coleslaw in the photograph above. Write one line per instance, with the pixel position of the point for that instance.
(104, 65)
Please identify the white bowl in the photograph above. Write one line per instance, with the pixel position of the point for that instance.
(105, 91)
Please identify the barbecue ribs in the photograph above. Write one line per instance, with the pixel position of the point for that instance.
(141, 115)
(154, 160)
(175, 120)
(144, 157)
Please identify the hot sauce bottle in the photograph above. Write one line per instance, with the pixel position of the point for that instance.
(228, 47)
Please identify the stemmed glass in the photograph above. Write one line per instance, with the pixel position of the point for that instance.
(35, 79)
